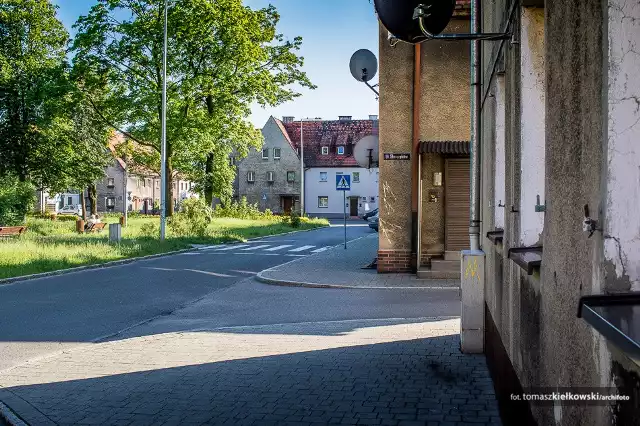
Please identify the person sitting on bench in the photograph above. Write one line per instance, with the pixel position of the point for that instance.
(91, 222)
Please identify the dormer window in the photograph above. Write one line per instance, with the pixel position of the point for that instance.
(325, 150)
(341, 150)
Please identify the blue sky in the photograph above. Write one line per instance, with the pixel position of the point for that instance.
(331, 30)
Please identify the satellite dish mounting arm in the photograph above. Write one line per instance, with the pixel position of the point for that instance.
(364, 80)
(422, 11)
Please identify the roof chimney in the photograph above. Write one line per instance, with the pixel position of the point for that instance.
(373, 117)
(344, 118)
(287, 119)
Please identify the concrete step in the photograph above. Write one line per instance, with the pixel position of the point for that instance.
(445, 265)
(452, 255)
(425, 273)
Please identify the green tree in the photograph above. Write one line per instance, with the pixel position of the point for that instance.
(235, 58)
(33, 91)
(222, 57)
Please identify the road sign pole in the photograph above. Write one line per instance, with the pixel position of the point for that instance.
(344, 203)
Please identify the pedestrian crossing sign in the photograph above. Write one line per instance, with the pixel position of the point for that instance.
(343, 182)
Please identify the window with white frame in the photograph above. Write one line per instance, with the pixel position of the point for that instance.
(251, 177)
(270, 177)
(111, 202)
(323, 202)
(341, 150)
(356, 177)
(291, 177)
(157, 184)
(325, 150)
(276, 153)
(265, 154)
(323, 176)
(373, 199)
(111, 182)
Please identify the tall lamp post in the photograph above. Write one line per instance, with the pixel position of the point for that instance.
(163, 150)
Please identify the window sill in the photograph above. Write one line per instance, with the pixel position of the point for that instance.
(617, 318)
(528, 258)
(496, 236)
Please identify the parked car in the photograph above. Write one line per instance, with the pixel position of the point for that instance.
(369, 214)
(373, 222)
(70, 209)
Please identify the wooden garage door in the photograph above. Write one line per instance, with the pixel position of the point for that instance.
(456, 204)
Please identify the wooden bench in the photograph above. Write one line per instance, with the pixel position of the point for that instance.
(96, 227)
(12, 231)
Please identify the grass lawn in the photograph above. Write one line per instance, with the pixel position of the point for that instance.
(49, 246)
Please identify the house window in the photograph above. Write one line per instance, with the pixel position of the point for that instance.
(111, 202)
(356, 176)
(323, 176)
(291, 176)
(270, 177)
(265, 154)
(373, 199)
(325, 150)
(157, 184)
(341, 150)
(276, 153)
(111, 182)
(323, 202)
(251, 177)
(364, 199)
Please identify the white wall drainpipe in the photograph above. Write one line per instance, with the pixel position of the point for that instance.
(474, 222)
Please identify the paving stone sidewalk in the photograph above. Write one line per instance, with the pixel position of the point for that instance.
(341, 268)
(375, 372)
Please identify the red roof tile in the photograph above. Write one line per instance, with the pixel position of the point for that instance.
(330, 134)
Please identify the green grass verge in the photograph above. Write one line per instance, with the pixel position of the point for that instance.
(50, 246)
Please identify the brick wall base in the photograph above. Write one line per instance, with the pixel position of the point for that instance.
(395, 261)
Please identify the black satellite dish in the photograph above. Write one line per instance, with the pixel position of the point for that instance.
(397, 17)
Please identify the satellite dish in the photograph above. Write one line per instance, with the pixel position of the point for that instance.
(366, 151)
(363, 65)
(397, 17)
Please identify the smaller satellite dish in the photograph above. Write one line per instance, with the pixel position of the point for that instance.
(363, 65)
(366, 151)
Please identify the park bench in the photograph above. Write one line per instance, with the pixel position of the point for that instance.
(96, 227)
(12, 231)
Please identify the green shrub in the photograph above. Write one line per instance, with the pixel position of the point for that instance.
(294, 219)
(193, 219)
(149, 230)
(243, 210)
(16, 200)
(67, 218)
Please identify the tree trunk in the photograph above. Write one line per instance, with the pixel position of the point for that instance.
(83, 203)
(93, 196)
(208, 183)
(169, 206)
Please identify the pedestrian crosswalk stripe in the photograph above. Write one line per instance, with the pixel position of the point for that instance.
(233, 247)
(255, 247)
(279, 247)
(301, 248)
(321, 249)
(215, 274)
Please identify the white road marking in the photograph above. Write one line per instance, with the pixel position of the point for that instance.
(215, 274)
(233, 247)
(301, 248)
(321, 249)
(213, 247)
(279, 247)
(296, 255)
(159, 269)
(244, 272)
(256, 247)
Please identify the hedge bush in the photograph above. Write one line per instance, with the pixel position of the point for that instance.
(16, 200)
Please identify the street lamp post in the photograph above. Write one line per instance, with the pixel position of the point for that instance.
(301, 168)
(163, 151)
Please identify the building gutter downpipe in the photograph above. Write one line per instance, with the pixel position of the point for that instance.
(476, 98)
(415, 158)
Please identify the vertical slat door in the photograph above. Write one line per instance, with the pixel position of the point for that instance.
(457, 181)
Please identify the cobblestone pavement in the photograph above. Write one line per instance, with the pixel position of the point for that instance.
(376, 372)
(338, 267)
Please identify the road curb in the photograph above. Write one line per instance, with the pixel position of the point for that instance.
(112, 263)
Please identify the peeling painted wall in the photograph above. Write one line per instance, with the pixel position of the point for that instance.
(499, 196)
(622, 239)
(532, 74)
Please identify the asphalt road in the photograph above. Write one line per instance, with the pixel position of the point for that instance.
(186, 291)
